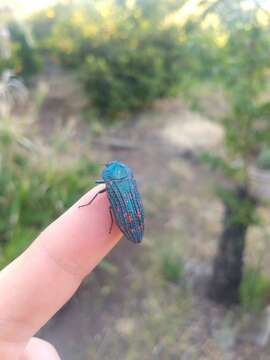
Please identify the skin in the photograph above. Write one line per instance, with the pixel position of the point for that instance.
(43, 278)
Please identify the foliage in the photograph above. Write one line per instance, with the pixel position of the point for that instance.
(229, 45)
(32, 192)
(129, 53)
(127, 56)
(243, 208)
(218, 162)
(172, 267)
(203, 53)
(254, 290)
(17, 50)
(241, 68)
(24, 57)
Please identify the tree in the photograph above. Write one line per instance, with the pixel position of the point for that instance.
(242, 71)
(240, 64)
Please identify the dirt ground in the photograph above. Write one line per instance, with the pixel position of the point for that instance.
(126, 310)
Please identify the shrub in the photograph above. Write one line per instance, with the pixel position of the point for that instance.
(18, 52)
(126, 55)
(24, 59)
(128, 77)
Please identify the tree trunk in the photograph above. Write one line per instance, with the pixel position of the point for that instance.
(228, 264)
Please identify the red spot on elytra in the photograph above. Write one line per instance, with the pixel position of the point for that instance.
(129, 218)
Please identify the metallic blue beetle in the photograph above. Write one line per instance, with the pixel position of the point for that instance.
(124, 198)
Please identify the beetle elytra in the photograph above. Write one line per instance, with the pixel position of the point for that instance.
(124, 198)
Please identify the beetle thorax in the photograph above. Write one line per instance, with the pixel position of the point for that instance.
(116, 171)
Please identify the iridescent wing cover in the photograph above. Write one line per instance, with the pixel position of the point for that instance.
(127, 208)
(125, 200)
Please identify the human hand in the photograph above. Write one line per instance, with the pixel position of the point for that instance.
(41, 280)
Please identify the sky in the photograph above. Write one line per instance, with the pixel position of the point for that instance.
(28, 6)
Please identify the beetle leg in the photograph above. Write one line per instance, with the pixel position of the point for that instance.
(100, 181)
(90, 202)
(111, 220)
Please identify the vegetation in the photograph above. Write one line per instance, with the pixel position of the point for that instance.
(17, 50)
(254, 290)
(128, 54)
(172, 267)
(32, 192)
(244, 73)
(24, 58)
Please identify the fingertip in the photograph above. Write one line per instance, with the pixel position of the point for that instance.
(40, 349)
(81, 237)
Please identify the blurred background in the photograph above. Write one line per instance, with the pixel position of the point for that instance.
(180, 91)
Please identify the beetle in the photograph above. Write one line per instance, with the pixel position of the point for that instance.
(124, 198)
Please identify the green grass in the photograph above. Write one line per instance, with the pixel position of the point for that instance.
(33, 192)
(172, 267)
(254, 290)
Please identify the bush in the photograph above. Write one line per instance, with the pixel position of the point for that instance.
(32, 193)
(254, 290)
(18, 52)
(25, 59)
(132, 76)
(126, 55)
